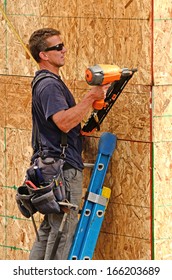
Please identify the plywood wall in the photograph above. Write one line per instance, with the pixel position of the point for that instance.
(162, 131)
(129, 34)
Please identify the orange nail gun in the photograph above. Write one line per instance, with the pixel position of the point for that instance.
(101, 74)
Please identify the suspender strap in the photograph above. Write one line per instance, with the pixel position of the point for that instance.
(63, 144)
(37, 136)
(42, 76)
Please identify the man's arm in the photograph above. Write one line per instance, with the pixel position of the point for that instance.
(67, 119)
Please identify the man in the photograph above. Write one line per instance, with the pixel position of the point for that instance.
(54, 111)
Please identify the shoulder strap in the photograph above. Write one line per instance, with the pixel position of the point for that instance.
(63, 144)
(42, 76)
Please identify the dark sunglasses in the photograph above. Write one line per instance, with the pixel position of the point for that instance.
(58, 47)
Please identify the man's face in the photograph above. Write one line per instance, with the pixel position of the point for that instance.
(56, 57)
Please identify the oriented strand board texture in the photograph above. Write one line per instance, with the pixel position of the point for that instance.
(162, 130)
(129, 34)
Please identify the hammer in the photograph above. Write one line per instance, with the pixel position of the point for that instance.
(66, 206)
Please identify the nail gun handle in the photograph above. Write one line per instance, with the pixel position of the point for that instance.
(98, 104)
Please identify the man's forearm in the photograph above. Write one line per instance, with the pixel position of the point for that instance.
(67, 119)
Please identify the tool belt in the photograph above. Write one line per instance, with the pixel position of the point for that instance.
(43, 188)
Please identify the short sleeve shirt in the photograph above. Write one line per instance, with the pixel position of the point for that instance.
(49, 96)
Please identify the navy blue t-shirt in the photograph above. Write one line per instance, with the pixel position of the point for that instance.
(50, 96)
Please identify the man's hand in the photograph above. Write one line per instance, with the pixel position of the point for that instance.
(67, 119)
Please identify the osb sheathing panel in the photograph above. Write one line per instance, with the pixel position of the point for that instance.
(60, 9)
(162, 131)
(3, 201)
(132, 9)
(162, 113)
(23, 7)
(19, 235)
(2, 104)
(97, 40)
(163, 179)
(163, 249)
(163, 52)
(16, 254)
(95, 43)
(162, 200)
(163, 223)
(162, 101)
(127, 220)
(18, 153)
(16, 57)
(2, 45)
(2, 237)
(15, 102)
(2, 217)
(132, 48)
(2, 157)
(111, 247)
(96, 8)
(162, 11)
(162, 42)
(163, 229)
(130, 169)
(162, 128)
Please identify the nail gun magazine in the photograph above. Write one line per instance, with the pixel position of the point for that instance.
(101, 74)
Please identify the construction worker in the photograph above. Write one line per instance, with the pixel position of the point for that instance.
(54, 111)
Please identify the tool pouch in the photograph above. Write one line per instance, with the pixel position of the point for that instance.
(46, 203)
(45, 197)
(23, 199)
(50, 168)
(44, 200)
(60, 191)
(31, 175)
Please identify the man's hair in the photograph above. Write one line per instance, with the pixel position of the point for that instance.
(37, 41)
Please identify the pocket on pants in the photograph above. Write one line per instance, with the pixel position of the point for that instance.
(73, 184)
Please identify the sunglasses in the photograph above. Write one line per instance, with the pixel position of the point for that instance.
(58, 48)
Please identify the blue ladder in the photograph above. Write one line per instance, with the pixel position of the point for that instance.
(95, 204)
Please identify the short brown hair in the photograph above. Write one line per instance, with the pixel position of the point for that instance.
(37, 41)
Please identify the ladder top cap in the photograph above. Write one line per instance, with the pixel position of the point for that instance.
(107, 143)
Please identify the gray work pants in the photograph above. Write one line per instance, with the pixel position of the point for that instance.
(48, 230)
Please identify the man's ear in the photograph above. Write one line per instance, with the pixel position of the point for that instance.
(43, 56)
